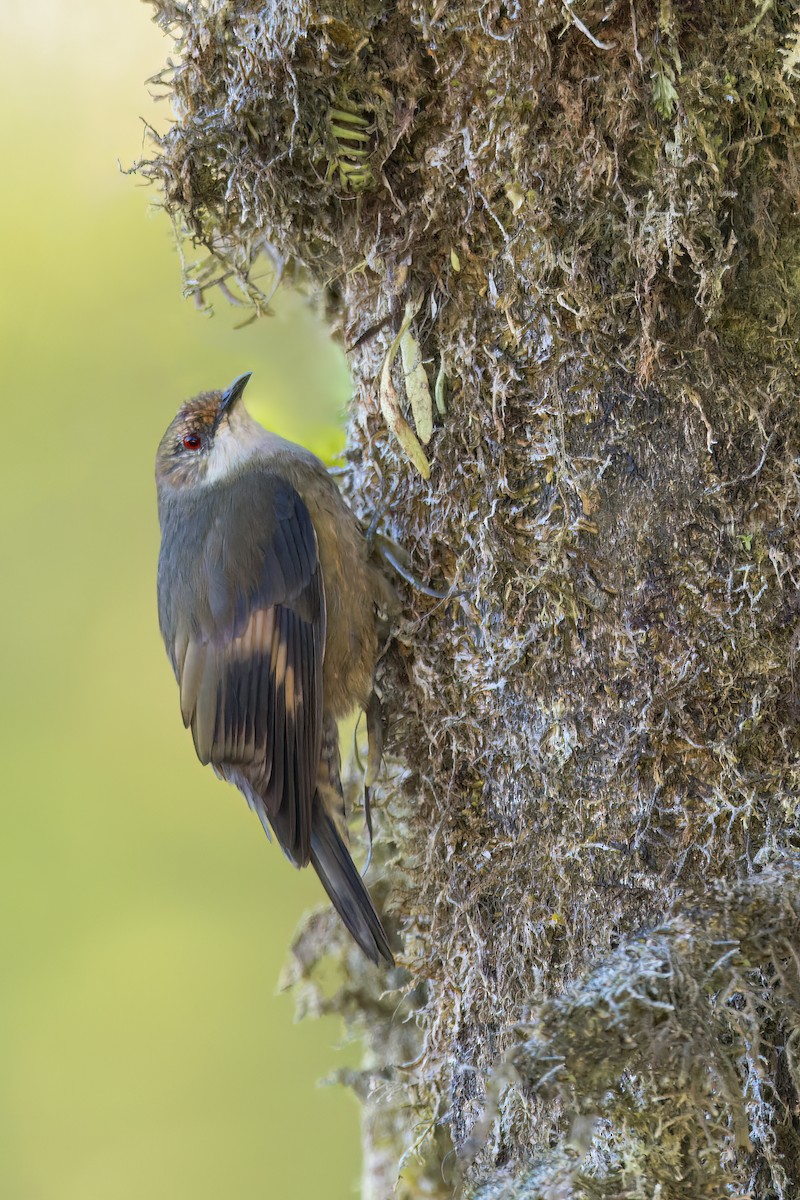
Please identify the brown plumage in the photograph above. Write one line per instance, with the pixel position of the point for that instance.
(268, 605)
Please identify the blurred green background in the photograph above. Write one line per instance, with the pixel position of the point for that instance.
(144, 1051)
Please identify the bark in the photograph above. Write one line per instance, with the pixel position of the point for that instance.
(568, 231)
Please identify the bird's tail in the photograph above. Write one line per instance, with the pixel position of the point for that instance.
(344, 885)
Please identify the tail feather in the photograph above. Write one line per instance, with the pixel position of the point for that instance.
(338, 875)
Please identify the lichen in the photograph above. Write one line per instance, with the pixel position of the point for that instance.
(679, 1043)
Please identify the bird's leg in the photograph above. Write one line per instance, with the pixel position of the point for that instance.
(374, 717)
(374, 740)
(374, 759)
(397, 557)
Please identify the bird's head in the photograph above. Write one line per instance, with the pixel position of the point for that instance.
(208, 440)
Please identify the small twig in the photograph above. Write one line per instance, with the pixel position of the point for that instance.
(578, 23)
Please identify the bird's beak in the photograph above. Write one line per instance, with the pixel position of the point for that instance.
(229, 398)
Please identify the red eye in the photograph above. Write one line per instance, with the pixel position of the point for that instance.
(192, 441)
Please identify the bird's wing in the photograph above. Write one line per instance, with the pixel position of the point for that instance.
(243, 614)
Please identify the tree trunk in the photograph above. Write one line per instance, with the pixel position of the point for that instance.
(567, 230)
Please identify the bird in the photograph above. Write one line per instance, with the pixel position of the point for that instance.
(270, 603)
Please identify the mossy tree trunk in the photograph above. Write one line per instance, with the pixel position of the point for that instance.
(582, 217)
